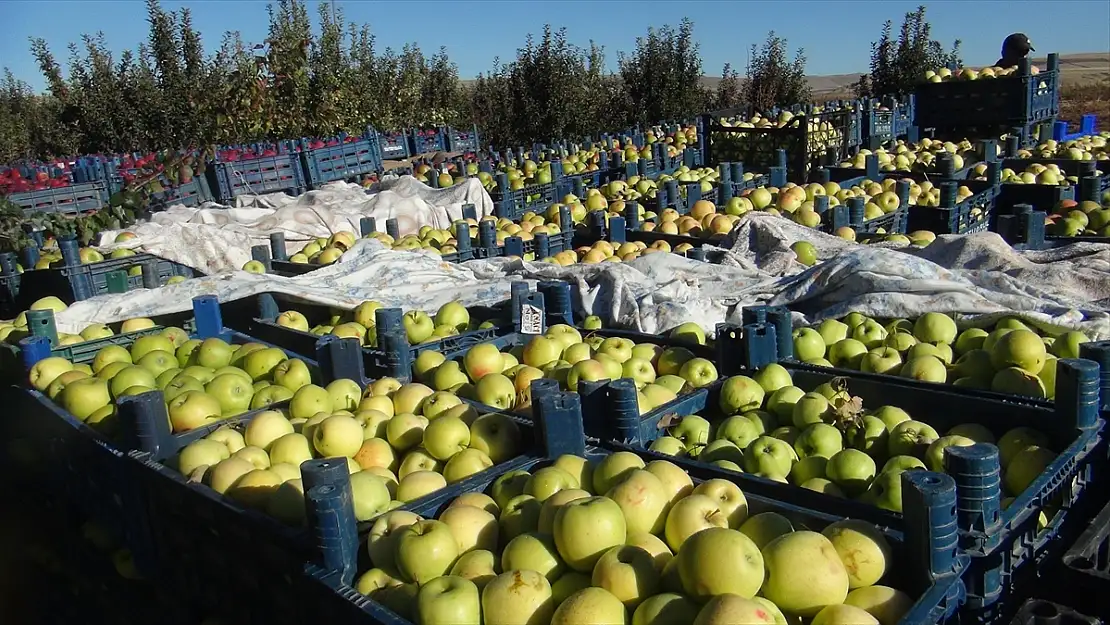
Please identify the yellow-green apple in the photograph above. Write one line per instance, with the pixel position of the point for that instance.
(449, 600)
(730, 609)
(417, 460)
(233, 392)
(373, 420)
(449, 376)
(863, 550)
(541, 351)
(590, 604)
(453, 314)
(639, 370)
(690, 515)
(740, 394)
(613, 468)
(670, 361)
(229, 437)
(418, 326)
(466, 463)
(657, 394)
(628, 573)
(819, 439)
(225, 473)
(254, 489)
(842, 615)
(769, 457)
(369, 494)
(254, 455)
(445, 437)
(699, 372)
(293, 374)
(547, 481)
(418, 484)
(519, 515)
(643, 499)
(154, 342)
(676, 482)
(294, 449)
(567, 335)
(409, 397)
(308, 401)
(405, 430)
(665, 609)
(689, 331)
(193, 409)
(292, 319)
(742, 572)
(381, 542)
(551, 505)
(617, 347)
(907, 436)
(568, 584)
(270, 395)
(851, 470)
(157, 362)
(739, 430)
(478, 566)
(1025, 467)
(1014, 441)
(886, 604)
(533, 552)
(482, 360)
(764, 527)
(581, 468)
(337, 436)
(496, 390)
(212, 353)
(201, 453)
(585, 528)
(804, 573)
(84, 396)
(668, 445)
(693, 431)
(730, 499)
(376, 452)
(425, 364)
(108, 355)
(473, 528)
(516, 597)
(260, 363)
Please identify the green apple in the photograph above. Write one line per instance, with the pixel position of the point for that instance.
(184, 352)
(541, 351)
(203, 375)
(453, 314)
(1016, 440)
(769, 457)
(345, 394)
(902, 463)
(547, 481)
(519, 515)
(643, 499)
(233, 392)
(804, 573)
(496, 390)
(738, 566)
(232, 439)
(808, 344)
(84, 396)
(612, 469)
(668, 445)
(425, 550)
(497, 435)
(130, 376)
(509, 485)
(516, 597)
(891, 416)
(193, 409)
(292, 374)
(449, 376)
(765, 527)
(671, 360)
(449, 600)
(260, 363)
(693, 431)
(292, 319)
(689, 331)
(1025, 467)
(699, 372)
(819, 439)
(418, 326)
(256, 456)
(934, 455)
(405, 431)
(910, 438)
(212, 353)
(425, 364)
(781, 403)
(270, 395)
(445, 437)
(852, 470)
(730, 499)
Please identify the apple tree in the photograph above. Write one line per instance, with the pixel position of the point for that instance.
(899, 64)
(663, 75)
(773, 80)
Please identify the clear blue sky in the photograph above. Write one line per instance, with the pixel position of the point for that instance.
(836, 35)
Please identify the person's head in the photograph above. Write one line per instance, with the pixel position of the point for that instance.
(1017, 45)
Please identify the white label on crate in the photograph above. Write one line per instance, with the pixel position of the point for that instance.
(531, 319)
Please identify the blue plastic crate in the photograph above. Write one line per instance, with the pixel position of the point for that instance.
(463, 139)
(1084, 575)
(256, 176)
(341, 162)
(932, 567)
(513, 203)
(75, 281)
(1088, 125)
(427, 140)
(192, 193)
(394, 145)
(75, 198)
(1016, 100)
(974, 214)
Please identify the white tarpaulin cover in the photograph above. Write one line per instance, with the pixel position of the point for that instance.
(215, 238)
(977, 275)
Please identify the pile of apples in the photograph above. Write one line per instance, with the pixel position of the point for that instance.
(945, 74)
(360, 323)
(400, 442)
(1010, 358)
(825, 440)
(14, 330)
(619, 541)
(503, 379)
(1071, 219)
(615, 193)
(204, 381)
(1086, 148)
(905, 156)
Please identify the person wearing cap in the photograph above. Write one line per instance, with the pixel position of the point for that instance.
(1015, 48)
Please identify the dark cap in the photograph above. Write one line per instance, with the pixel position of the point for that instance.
(1019, 43)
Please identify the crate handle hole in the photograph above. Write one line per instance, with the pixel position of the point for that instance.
(1083, 563)
(1045, 610)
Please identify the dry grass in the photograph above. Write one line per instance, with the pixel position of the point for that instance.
(1077, 100)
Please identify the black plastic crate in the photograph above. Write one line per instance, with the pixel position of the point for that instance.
(463, 139)
(192, 193)
(973, 214)
(513, 203)
(1087, 561)
(1041, 612)
(758, 147)
(1019, 99)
